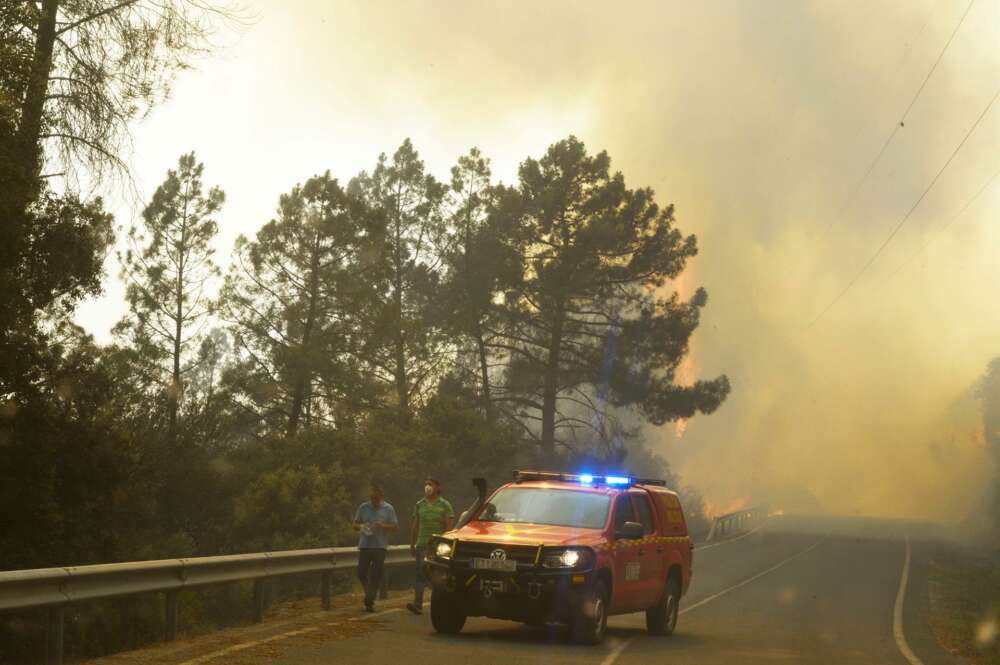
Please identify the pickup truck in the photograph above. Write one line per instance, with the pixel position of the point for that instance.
(566, 550)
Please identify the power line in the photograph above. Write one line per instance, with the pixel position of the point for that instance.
(902, 120)
(906, 217)
(929, 241)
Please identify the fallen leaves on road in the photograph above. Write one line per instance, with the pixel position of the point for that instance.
(965, 604)
(345, 621)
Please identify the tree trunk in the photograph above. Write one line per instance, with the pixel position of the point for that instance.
(484, 374)
(302, 371)
(402, 383)
(33, 107)
(174, 398)
(477, 331)
(20, 175)
(550, 388)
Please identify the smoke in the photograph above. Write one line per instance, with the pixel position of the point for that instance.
(756, 120)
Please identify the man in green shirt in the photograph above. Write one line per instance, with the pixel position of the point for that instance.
(431, 516)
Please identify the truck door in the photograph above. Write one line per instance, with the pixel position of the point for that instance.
(627, 593)
(650, 555)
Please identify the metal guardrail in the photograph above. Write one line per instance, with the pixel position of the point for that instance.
(735, 522)
(55, 588)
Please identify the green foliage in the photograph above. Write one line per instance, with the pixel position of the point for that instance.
(965, 606)
(293, 297)
(294, 507)
(66, 245)
(988, 393)
(15, 59)
(405, 345)
(395, 329)
(73, 74)
(166, 268)
(479, 262)
(585, 324)
(66, 462)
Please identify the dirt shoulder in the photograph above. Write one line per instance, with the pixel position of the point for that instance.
(285, 624)
(965, 605)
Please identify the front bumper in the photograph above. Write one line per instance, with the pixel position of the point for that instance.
(533, 594)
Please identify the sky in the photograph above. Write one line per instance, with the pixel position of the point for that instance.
(757, 120)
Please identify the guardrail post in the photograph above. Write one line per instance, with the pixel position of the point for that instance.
(54, 635)
(383, 586)
(258, 600)
(324, 589)
(170, 616)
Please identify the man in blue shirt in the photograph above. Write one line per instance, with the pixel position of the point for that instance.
(374, 520)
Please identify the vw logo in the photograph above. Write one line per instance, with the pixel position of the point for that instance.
(499, 555)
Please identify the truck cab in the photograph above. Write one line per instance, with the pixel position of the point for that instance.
(564, 549)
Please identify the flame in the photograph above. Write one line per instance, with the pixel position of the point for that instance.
(712, 508)
(686, 370)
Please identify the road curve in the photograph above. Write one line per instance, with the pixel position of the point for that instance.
(799, 590)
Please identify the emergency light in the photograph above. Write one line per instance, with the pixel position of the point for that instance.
(585, 478)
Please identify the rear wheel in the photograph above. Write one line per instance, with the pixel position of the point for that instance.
(446, 615)
(662, 619)
(592, 618)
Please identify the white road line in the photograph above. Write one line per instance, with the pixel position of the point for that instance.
(247, 645)
(274, 638)
(613, 655)
(751, 579)
(897, 612)
(726, 542)
(370, 616)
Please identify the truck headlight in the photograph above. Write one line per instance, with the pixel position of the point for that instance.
(569, 558)
(444, 549)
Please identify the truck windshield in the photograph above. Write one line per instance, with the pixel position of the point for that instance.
(557, 507)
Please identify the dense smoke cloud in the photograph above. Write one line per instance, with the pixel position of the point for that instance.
(756, 120)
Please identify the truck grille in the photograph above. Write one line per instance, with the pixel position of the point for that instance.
(520, 553)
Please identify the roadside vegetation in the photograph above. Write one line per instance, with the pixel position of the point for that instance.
(965, 606)
(965, 601)
(389, 324)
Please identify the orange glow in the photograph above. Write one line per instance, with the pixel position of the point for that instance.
(713, 509)
(685, 371)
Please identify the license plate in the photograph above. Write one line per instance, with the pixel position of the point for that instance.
(492, 587)
(505, 565)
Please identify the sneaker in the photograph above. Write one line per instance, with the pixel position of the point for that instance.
(369, 607)
(416, 609)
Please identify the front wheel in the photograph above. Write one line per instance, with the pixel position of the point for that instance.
(662, 619)
(591, 620)
(446, 615)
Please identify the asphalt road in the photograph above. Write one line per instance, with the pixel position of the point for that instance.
(797, 590)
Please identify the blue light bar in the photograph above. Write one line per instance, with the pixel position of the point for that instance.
(587, 478)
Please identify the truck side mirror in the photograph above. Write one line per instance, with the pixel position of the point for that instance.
(630, 531)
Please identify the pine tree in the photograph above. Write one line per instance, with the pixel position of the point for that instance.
(586, 328)
(167, 268)
(293, 297)
(405, 345)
